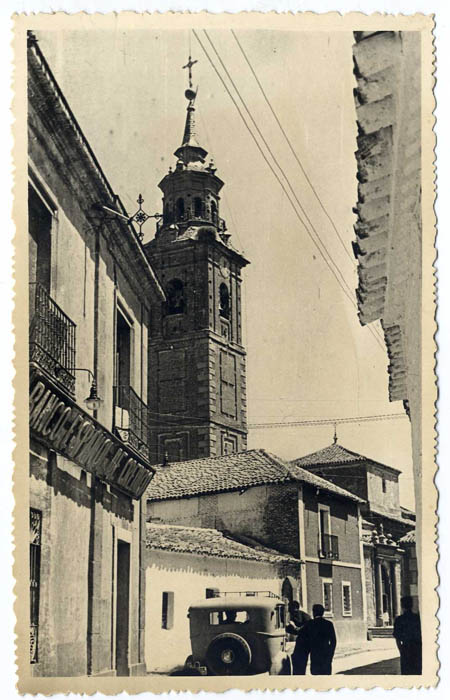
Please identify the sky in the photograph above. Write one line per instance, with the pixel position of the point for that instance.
(307, 354)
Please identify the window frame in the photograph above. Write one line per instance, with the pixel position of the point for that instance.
(326, 509)
(167, 610)
(347, 584)
(328, 581)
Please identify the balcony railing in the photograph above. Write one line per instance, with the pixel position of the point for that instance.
(52, 337)
(131, 419)
(328, 546)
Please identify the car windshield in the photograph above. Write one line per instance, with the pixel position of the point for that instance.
(228, 617)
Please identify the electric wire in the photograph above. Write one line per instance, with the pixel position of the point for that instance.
(373, 330)
(294, 153)
(347, 293)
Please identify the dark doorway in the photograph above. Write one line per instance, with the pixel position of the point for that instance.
(122, 608)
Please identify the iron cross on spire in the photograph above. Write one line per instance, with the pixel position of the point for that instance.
(189, 65)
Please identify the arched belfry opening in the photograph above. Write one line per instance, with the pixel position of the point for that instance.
(224, 301)
(175, 303)
(198, 207)
(180, 208)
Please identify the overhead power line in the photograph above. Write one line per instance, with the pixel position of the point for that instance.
(294, 153)
(328, 261)
(288, 141)
(327, 421)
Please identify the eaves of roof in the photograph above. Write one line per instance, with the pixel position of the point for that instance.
(127, 238)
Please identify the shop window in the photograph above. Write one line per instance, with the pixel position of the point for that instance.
(346, 598)
(224, 301)
(35, 581)
(167, 610)
(180, 208)
(327, 596)
(175, 297)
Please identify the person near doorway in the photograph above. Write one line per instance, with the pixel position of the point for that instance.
(319, 641)
(297, 620)
(408, 636)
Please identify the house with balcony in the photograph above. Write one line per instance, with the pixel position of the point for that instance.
(91, 288)
(384, 526)
(261, 501)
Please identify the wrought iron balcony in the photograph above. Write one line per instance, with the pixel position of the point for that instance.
(131, 419)
(52, 337)
(328, 546)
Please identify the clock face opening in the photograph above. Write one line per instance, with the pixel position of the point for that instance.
(223, 267)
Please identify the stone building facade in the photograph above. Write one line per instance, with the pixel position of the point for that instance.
(188, 564)
(91, 287)
(197, 386)
(384, 524)
(258, 499)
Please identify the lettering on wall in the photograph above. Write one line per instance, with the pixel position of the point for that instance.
(71, 432)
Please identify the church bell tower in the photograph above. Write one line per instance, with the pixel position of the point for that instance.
(197, 393)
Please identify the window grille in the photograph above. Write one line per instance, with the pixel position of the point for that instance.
(346, 598)
(35, 580)
(327, 592)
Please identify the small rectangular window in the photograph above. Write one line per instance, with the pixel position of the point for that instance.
(167, 610)
(346, 598)
(383, 484)
(327, 594)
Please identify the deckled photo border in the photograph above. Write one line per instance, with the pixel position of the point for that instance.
(426, 511)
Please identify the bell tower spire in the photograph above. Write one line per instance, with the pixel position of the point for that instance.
(197, 397)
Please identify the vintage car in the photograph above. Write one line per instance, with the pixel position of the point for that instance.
(238, 634)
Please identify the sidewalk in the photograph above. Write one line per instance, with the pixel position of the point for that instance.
(378, 657)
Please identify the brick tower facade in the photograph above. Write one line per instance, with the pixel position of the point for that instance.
(197, 392)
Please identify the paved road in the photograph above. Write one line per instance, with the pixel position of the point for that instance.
(388, 667)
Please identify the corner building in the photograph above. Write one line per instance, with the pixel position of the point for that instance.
(197, 405)
(89, 460)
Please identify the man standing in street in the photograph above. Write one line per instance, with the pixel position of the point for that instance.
(298, 618)
(408, 636)
(320, 641)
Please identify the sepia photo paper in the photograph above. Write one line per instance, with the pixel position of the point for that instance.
(224, 322)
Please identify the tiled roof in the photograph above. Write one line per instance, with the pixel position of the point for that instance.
(211, 474)
(307, 477)
(209, 543)
(335, 454)
(391, 516)
(231, 472)
(409, 538)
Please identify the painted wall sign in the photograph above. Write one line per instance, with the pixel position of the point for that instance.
(69, 430)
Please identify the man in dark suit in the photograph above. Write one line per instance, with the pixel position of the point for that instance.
(320, 641)
(408, 636)
(298, 618)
